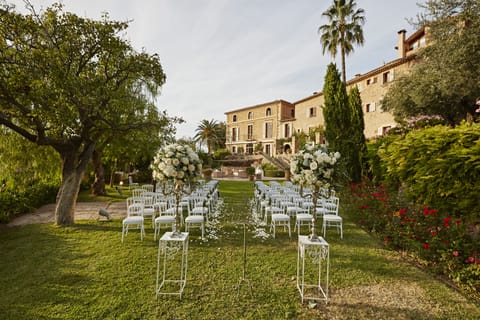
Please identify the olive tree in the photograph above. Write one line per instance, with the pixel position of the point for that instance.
(67, 82)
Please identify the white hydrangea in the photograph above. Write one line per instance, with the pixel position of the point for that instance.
(313, 166)
(176, 162)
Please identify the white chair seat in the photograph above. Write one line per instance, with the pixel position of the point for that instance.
(303, 219)
(192, 221)
(163, 220)
(133, 221)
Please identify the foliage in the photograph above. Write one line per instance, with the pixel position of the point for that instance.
(212, 133)
(445, 81)
(68, 82)
(344, 29)
(23, 164)
(359, 147)
(437, 239)
(302, 139)
(17, 201)
(340, 134)
(438, 167)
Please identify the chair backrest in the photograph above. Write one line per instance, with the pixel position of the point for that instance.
(147, 187)
(137, 192)
(135, 209)
(331, 204)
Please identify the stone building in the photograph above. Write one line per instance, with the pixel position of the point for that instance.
(270, 127)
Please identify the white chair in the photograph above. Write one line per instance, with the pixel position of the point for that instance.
(166, 217)
(134, 218)
(331, 217)
(280, 220)
(149, 199)
(195, 219)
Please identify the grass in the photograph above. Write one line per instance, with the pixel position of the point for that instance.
(85, 272)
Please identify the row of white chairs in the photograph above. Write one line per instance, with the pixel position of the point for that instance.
(281, 203)
(162, 209)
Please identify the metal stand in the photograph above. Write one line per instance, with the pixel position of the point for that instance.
(169, 246)
(244, 279)
(317, 253)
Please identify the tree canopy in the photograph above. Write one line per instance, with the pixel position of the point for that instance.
(445, 82)
(343, 30)
(68, 82)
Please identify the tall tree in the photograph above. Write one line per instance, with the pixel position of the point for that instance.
(445, 82)
(344, 30)
(65, 82)
(207, 132)
(359, 146)
(337, 115)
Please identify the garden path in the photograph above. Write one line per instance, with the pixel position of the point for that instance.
(83, 211)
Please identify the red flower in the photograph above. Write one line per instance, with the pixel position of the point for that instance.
(446, 221)
(363, 206)
(387, 239)
(434, 233)
(470, 259)
(402, 211)
(426, 246)
(455, 253)
(458, 221)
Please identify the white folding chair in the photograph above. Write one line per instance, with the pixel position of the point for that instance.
(331, 217)
(134, 218)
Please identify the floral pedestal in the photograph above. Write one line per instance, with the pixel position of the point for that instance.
(313, 261)
(172, 260)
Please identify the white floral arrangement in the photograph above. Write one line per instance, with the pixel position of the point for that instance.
(313, 167)
(177, 163)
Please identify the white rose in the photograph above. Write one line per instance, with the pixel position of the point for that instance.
(313, 165)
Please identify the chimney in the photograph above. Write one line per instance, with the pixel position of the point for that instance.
(402, 53)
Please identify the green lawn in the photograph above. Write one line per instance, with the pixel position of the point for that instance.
(85, 272)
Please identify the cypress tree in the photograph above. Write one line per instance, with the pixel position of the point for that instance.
(336, 112)
(359, 146)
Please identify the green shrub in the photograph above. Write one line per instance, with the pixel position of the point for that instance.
(13, 203)
(438, 167)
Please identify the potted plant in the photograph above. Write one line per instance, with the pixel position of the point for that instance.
(250, 173)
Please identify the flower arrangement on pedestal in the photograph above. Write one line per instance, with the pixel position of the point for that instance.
(177, 167)
(313, 167)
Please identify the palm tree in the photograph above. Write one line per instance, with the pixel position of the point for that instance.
(343, 30)
(207, 131)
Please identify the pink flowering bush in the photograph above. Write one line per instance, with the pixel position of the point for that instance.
(439, 240)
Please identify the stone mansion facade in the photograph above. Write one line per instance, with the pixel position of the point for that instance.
(270, 127)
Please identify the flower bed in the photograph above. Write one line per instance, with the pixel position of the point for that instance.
(439, 241)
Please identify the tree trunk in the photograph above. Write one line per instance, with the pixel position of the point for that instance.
(344, 71)
(98, 187)
(74, 164)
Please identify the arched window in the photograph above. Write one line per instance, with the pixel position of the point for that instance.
(250, 115)
(234, 118)
(268, 112)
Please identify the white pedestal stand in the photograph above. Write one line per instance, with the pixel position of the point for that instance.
(313, 253)
(169, 247)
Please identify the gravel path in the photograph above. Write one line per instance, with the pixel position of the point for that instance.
(83, 211)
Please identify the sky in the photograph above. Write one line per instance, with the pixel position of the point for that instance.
(223, 55)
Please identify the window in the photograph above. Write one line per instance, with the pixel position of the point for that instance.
(250, 132)
(370, 107)
(292, 113)
(383, 130)
(234, 134)
(371, 81)
(312, 112)
(234, 149)
(268, 149)
(387, 76)
(250, 115)
(268, 129)
(249, 148)
(234, 118)
(287, 130)
(268, 112)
